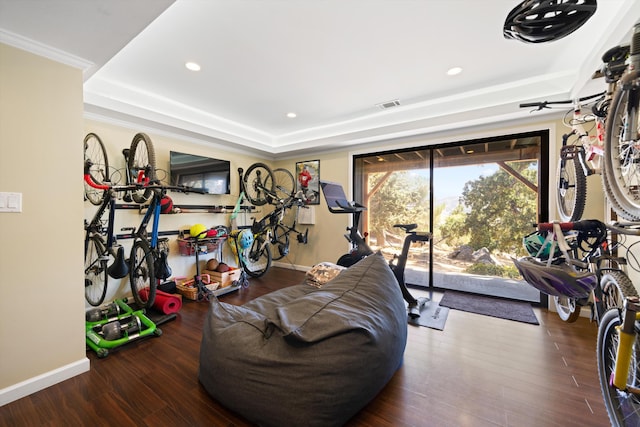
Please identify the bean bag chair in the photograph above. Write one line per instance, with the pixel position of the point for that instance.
(305, 356)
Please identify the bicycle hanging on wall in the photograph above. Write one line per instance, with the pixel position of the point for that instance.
(147, 262)
(583, 148)
(270, 234)
(621, 166)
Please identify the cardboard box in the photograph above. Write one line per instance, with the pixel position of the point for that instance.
(225, 279)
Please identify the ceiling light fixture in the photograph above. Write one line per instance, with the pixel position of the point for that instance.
(454, 71)
(292, 115)
(192, 66)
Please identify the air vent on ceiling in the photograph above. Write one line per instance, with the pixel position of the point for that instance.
(389, 104)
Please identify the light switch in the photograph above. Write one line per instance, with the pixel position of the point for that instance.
(10, 202)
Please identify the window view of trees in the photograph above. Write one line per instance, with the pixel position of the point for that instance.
(491, 215)
(494, 212)
(401, 197)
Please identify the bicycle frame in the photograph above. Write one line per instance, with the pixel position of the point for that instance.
(274, 219)
(152, 215)
(588, 150)
(95, 225)
(399, 262)
(627, 336)
(96, 232)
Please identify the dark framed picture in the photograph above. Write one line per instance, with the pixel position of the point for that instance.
(308, 180)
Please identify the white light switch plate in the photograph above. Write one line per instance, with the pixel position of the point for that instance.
(10, 202)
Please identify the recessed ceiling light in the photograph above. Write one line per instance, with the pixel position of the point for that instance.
(292, 115)
(192, 66)
(454, 71)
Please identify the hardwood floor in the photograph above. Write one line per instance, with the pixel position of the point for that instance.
(479, 371)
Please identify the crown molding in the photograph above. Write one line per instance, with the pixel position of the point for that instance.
(46, 51)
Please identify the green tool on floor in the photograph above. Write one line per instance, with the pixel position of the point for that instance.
(116, 324)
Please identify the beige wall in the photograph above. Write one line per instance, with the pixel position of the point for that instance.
(41, 251)
(326, 241)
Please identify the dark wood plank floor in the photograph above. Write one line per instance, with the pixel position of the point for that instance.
(479, 371)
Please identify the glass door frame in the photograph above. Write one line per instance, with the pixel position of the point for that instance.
(542, 184)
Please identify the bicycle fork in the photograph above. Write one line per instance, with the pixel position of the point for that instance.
(627, 337)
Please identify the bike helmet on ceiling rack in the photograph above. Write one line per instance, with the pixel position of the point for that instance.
(539, 21)
(558, 279)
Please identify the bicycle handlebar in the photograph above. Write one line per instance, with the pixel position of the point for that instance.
(545, 104)
(133, 187)
(106, 187)
(587, 225)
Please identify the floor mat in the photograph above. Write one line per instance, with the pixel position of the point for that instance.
(489, 306)
(156, 316)
(432, 316)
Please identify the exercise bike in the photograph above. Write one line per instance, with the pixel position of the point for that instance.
(337, 203)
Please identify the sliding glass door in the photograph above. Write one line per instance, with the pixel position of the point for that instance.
(477, 198)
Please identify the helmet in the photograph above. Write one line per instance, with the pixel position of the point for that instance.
(558, 279)
(221, 231)
(539, 21)
(198, 230)
(166, 205)
(538, 246)
(245, 240)
(242, 239)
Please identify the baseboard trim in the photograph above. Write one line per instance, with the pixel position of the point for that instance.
(290, 266)
(40, 382)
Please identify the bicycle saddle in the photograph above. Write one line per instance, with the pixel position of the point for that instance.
(406, 227)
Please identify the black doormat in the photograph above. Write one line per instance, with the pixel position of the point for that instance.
(488, 306)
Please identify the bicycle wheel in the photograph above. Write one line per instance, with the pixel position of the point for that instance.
(567, 308)
(141, 162)
(616, 287)
(95, 152)
(257, 259)
(621, 166)
(95, 270)
(141, 274)
(284, 184)
(571, 189)
(622, 406)
(281, 239)
(258, 184)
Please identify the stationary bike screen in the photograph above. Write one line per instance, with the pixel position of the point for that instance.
(334, 195)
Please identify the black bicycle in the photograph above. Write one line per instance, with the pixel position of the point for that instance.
(271, 230)
(100, 244)
(262, 186)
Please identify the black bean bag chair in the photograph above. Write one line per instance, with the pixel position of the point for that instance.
(304, 356)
